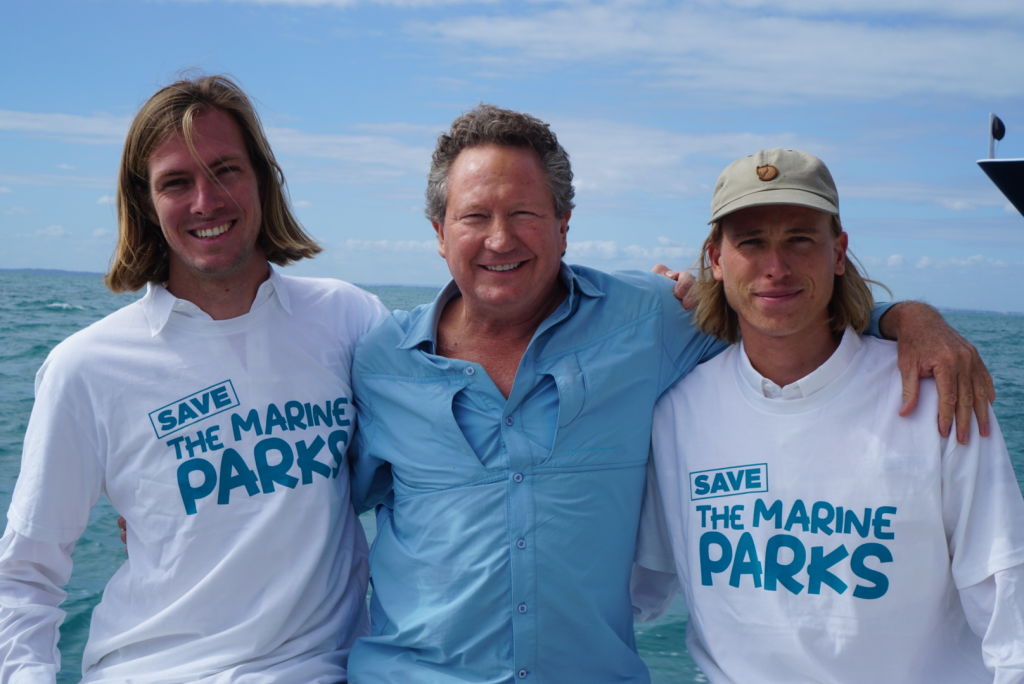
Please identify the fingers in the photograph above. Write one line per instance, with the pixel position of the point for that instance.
(122, 524)
(965, 406)
(946, 385)
(683, 290)
(911, 382)
(984, 394)
(662, 269)
(981, 407)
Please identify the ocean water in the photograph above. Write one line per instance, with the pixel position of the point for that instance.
(39, 309)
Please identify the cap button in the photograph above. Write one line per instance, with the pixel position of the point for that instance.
(767, 172)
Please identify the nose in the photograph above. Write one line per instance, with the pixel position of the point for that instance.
(500, 236)
(208, 196)
(776, 264)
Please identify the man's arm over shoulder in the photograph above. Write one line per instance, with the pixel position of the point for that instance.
(930, 347)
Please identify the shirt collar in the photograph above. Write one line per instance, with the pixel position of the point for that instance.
(159, 304)
(810, 383)
(423, 332)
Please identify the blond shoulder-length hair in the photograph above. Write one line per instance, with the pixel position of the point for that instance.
(851, 302)
(141, 253)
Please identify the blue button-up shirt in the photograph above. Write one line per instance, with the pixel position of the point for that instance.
(507, 528)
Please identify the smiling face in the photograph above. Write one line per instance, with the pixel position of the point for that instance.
(207, 204)
(500, 236)
(777, 264)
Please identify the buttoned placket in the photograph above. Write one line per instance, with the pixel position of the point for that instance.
(522, 519)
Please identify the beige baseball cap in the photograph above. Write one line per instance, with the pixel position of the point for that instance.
(775, 177)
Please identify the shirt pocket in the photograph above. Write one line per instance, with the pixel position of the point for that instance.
(421, 439)
(572, 388)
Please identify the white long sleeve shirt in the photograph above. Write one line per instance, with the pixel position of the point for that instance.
(223, 444)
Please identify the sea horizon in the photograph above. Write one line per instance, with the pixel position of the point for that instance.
(43, 271)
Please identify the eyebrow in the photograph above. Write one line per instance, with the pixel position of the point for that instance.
(219, 161)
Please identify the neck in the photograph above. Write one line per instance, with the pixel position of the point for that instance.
(221, 298)
(496, 343)
(784, 360)
(460, 318)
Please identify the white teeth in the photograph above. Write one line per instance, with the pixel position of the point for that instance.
(212, 232)
(503, 267)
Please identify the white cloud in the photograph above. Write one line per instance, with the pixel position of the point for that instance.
(51, 232)
(953, 198)
(4, 189)
(101, 232)
(58, 180)
(106, 199)
(65, 167)
(670, 256)
(945, 10)
(857, 54)
(302, 204)
(592, 249)
(972, 261)
(615, 157)
(674, 255)
(96, 129)
(389, 245)
(374, 154)
(894, 261)
(352, 3)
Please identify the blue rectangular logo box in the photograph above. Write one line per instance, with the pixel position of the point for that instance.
(731, 481)
(196, 407)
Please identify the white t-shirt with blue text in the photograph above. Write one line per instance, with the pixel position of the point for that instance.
(818, 537)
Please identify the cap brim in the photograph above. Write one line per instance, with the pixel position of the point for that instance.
(763, 198)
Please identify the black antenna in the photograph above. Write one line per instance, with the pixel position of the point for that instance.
(996, 132)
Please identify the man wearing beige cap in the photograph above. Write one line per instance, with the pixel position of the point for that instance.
(817, 537)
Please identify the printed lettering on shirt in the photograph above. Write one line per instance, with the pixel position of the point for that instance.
(194, 408)
(815, 546)
(218, 462)
(718, 482)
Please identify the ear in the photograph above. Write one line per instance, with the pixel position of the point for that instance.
(715, 256)
(841, 242)
(439, 229)
(563, 228)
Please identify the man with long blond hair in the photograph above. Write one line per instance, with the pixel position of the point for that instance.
(817, 537)
(214, 413)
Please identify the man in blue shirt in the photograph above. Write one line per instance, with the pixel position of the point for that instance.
(504, 431)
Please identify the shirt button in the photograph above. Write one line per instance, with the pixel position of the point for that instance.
(517, 477)
(521, 674)
(470, 370)
(509, 420)
(521, 607)
(520, 543)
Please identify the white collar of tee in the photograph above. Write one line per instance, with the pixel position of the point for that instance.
(810, 383)
(159, 304)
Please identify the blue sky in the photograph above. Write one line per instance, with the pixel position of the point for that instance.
(651, 99)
